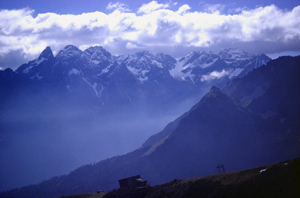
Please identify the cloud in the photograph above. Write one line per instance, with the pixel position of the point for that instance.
(214, 8)
(152, 6)
(154, 27)
(130, 45)
(183, 9)
(118, 6)
(214, 75)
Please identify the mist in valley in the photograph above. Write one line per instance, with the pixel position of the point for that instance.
(39, 140)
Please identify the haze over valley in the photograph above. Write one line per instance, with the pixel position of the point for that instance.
(166, 90)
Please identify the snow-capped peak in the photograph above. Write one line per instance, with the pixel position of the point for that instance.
(97, 55)
(68, 51)
(69, 54)
(234, 56)
(97, 52)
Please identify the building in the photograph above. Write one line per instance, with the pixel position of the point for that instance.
(131, 182)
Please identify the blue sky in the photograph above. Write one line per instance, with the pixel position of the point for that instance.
(172, 27)
(80, 6)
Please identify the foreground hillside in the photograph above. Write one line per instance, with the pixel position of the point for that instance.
(278, 180)
(85, 195)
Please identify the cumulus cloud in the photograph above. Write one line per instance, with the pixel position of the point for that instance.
(183, 9)
(152, 6)
(154, 26)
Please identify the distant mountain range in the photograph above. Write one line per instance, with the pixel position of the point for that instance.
(252, 121)
(140, 77)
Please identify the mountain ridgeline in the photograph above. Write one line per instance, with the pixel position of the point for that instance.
(141, 77)
(252, 121)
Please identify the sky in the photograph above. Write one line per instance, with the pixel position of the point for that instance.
(172, 27)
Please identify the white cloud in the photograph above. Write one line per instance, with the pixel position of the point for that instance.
(118, 6)
(154, 26)
(130, 45)
(214, 75)
(152, 6)
(214, 8)
(183, 9)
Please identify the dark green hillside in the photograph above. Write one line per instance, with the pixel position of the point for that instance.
(279, 180)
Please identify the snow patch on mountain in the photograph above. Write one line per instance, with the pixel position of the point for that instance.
(36, 77)
(140, 74)
(73, 71)
(235, 72)
(234, 56)
(98, 93)
(94, 86)
(32, 64)
(158, 64)
(259, 62)
(27, 69)
(95, 62)
(38, 61)
(208, 64)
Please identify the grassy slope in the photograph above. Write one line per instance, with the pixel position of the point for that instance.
(279, 180)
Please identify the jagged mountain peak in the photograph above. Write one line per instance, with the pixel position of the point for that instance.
(36, 66)
(197, 56)
(70, 52)
(214, 92)
(234, 56)
(152, 56)
(193, 55)
(97, 55)
(262, 55)
(144, 54)
(136, 57)
(232, 51)
(197, 53)
(69, 49)
(7, 73)
(142, 59)
(47, 53)
(214, 89)
(99, 50)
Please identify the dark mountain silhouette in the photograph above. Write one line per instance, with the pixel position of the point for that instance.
(234, 127)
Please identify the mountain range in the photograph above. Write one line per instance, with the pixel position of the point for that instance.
(251, 121)
(142, 76)
(83, 106)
